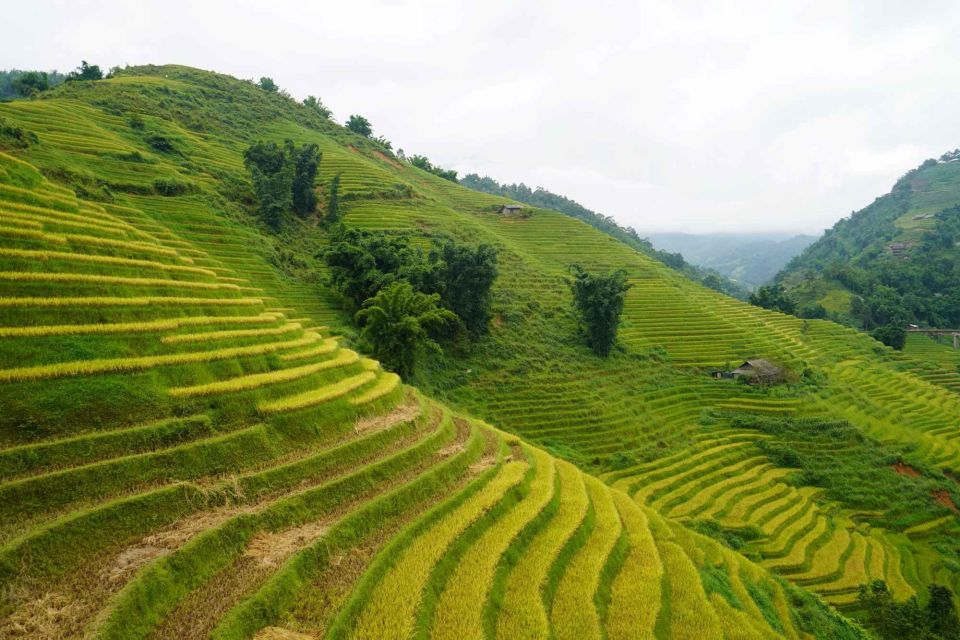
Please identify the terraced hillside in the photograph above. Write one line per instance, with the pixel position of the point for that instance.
(649, 421)
(180, 457)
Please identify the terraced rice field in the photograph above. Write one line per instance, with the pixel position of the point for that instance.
(220, 468)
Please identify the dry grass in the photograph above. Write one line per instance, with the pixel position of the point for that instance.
(401, 413)
(271, 549)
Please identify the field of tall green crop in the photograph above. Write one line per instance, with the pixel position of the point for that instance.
(191, 446)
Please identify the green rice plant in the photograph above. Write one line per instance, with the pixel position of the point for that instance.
(797, 551)
(827, 560)
(691, 616)
(41, 276)
(256, 380)
(385, 384)
(32, 234)
(573, 613)
(854, 571)
(146, 326)
(133, 301)
(232, 334)
(327, 346)
(392, 604)
(115, 365)
(87, 448)
(166, 582)
(637, 582)
(20, 221)
(316, 396)
(42, 255)
(737, 624)
(456, 614)
(524, 614)
(280, 592)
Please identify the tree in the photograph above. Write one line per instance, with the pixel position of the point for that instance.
(598, 299)
(314, 103)
(773, 297)
(463, 276)
(941, 614)
(360, 125)
(306, 160)
(30, 83)
(399, 324)
(267, 84)
(813, 311)
(333, 202)
(85, 72)
(891, 335)
(272, 176)
(362, 263)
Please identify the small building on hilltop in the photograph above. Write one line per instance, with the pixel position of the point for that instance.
(759, 370)
(511, 209)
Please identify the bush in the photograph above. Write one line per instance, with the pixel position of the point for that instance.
(891, 335)
(598, 299)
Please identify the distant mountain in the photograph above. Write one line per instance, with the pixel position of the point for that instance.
(894, 261)
(751, 259)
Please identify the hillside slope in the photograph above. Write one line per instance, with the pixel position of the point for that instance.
(894, 261)
(183, 456)
(730, 460)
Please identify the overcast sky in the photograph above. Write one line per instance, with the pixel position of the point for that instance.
(712, 116)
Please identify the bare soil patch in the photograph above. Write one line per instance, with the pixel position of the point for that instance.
(943, 497)
(271, 549)
(905, 470)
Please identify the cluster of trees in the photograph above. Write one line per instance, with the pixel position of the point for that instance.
(283, 177)
(16, 83)
(545, 199)
(598, 299)
(895, 620)
(407, 301)
(422, 162)
(773, 297)
(85, 72)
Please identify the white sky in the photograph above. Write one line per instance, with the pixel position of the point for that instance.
(669, 116)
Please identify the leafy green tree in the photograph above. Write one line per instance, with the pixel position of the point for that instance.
(891, 335)
(314, 103)
(267, 84)
(400, 324)
(272, 176)
(813, 311)
(31, 83)
(598, 299)
(360, 125)
(306, 160)
(464, 276)
(941, 613)
(85, 72)
(333, 202)
(362, 263)
(773, 297)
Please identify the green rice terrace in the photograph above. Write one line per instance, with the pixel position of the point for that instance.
(191, 445)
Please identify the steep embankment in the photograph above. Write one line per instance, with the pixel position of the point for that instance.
(159, 150)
